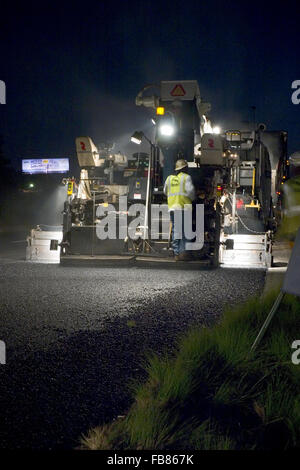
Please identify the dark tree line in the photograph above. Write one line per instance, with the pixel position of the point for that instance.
(8, 176)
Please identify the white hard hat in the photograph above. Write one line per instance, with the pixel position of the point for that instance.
(180, 164)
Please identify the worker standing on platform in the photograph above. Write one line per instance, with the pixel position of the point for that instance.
(180, 191)
(291, 192)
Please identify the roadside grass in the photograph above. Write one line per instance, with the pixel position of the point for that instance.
(213, 394)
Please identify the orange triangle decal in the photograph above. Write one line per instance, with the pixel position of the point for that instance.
(178, 90)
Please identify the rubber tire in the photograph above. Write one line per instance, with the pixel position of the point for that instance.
(215, 261)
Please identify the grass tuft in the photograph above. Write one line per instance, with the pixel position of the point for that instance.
(213, 395)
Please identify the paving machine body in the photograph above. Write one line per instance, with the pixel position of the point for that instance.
(238, 176)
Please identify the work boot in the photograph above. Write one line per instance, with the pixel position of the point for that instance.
(183, 257)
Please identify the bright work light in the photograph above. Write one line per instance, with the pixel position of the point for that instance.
(167, 130)
(216, 130)
(137, 137)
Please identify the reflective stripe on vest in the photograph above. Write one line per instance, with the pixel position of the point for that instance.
(177, 196)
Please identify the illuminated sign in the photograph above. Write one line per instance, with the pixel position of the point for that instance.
(42, 165)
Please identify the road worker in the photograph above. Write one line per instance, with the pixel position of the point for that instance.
(180, 191)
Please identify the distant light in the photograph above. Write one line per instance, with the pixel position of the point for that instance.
(167, 130)
(160, 110)
(216, 130)
(31, 185)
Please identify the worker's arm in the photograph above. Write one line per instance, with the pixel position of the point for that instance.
(190, 188)
(166, 186)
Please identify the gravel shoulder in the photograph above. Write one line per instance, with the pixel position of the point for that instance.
(76, 338)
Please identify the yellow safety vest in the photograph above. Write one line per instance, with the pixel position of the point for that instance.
(177, 196)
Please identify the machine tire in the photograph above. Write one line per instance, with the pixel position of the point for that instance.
(215, 261)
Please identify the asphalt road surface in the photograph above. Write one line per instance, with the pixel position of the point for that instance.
(77, 337)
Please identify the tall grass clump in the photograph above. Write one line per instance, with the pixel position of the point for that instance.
(215, 395)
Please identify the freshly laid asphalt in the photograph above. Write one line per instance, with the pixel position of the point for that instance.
(76, 338)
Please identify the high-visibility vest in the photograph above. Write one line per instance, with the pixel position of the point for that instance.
(291, 220)
(177, 196)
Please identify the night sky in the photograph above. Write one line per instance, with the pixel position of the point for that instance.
(74, 69)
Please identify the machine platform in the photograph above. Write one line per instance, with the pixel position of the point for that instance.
(132, 260)
(97, 260)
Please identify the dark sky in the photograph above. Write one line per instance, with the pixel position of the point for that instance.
(75, 68)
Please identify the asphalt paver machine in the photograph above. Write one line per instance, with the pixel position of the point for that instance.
(238, 176)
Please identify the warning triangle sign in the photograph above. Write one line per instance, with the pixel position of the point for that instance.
(178, 90)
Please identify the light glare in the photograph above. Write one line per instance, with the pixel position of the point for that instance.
(135, 140)
(167, 130)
